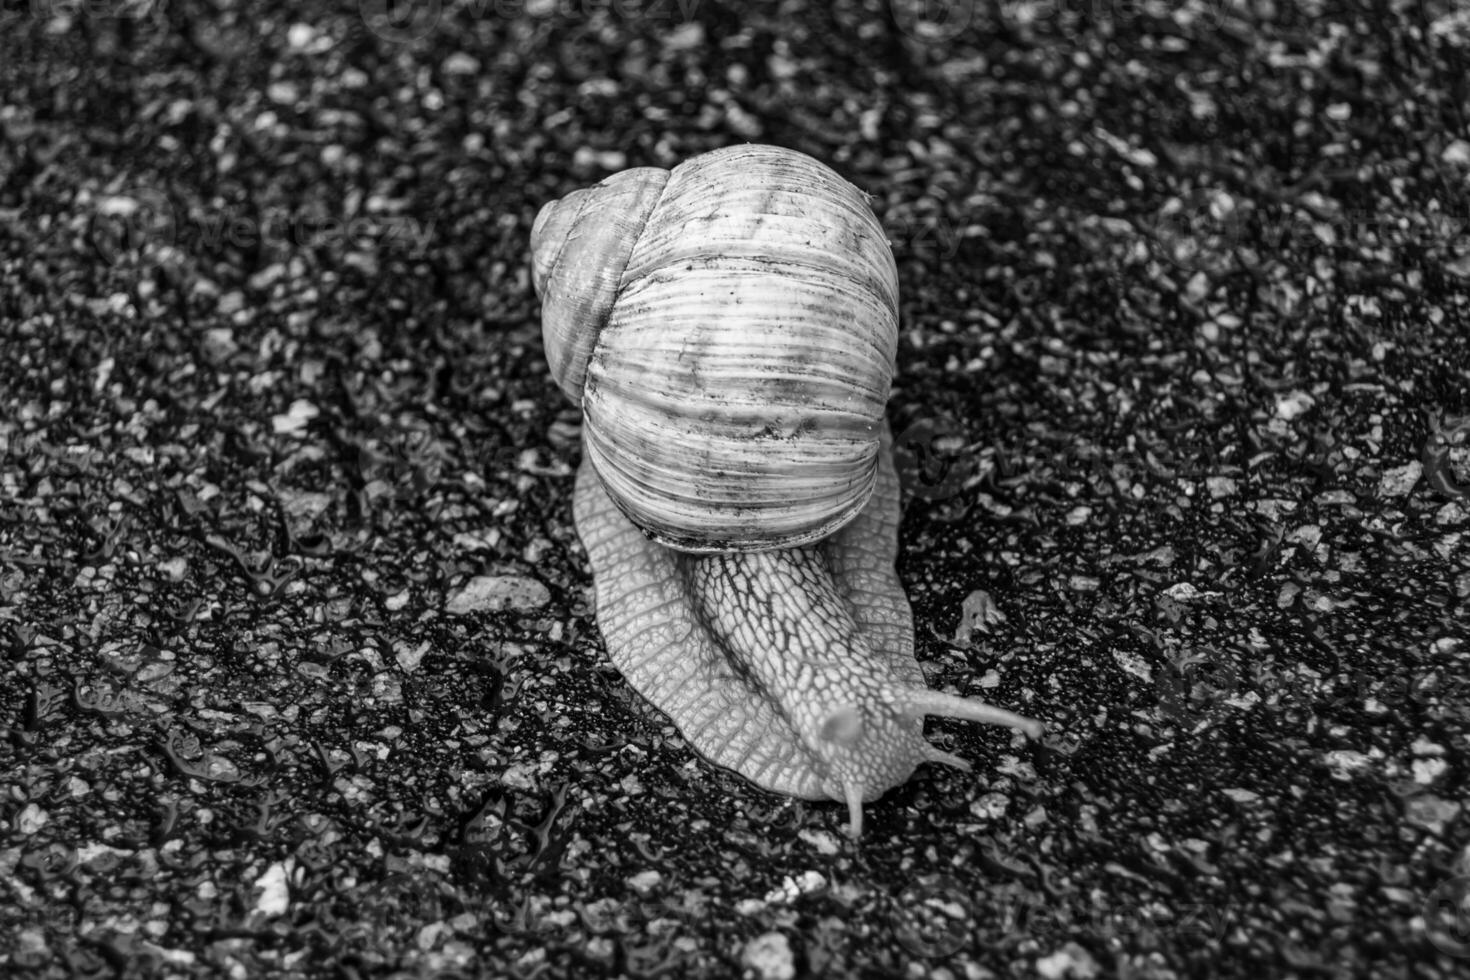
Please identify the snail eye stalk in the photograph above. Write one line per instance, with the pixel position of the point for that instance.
(921, 702)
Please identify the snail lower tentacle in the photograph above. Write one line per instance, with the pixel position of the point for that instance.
(793, 667)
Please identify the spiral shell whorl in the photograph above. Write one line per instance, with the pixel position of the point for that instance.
(579, 247)
(735, 396)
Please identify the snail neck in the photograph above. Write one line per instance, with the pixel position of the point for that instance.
(792, 640)
(789, 632)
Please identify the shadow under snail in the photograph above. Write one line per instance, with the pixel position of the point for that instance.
(729, 328)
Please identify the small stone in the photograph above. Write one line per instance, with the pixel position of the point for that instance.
(294, 421)
(1457, 153)
(409, 658)
(1431, 813)
(283, 93)
(1182, 592)
(991, 806)
(303, 505)
(31, 819)
(219, 344)
(1450, 513)
(741, 122)
(267, 277)
(793, 888)
(275, 896)
(1346, 763)
(823, 842)
(588, 159)
(1426, 771)
(769, 956)
(498, 593)
(300, 36)
(1398, 481)
(32, 943)
(686, 37)
(483, 540)
(1221, 486)
(977, 612)
(1071, 962)
(461, 63)
(644, 882)
(1134, 664)
(1294, 405)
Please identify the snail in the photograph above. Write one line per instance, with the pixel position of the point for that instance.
(729, 328)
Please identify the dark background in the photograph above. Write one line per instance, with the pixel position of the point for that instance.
(1182, 387)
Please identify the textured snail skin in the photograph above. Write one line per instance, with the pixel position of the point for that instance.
(793, 667)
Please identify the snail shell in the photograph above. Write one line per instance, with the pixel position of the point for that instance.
(729, 328)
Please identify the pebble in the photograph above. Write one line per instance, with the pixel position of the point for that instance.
(1220, 486)
(1294, 405)
(275, 896)
(31, 819)
(1398, 481)
(1071, 961)
(645, 882)
(769, 956)
(1457, 153)
(498, 593)
(219, 344)
(294, 421)
(1431, 813)
(461, 63)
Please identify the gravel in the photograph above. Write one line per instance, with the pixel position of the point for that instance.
(300, 671)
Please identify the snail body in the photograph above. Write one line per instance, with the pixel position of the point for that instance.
(729, 328)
